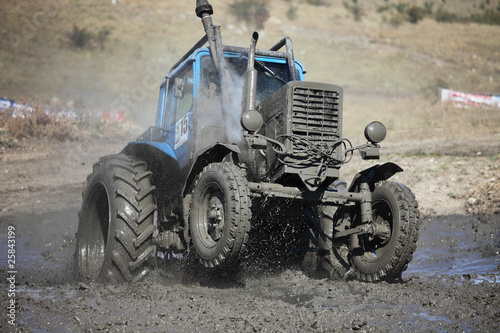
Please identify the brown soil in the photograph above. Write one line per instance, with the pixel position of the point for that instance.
(452, 284)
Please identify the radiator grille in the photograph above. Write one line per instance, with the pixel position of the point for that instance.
(315, 115)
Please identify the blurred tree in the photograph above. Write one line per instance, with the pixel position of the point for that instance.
(251, 12)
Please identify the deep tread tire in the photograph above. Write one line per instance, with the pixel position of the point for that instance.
(116, 222)
(220, 213)
(335, 262)
(374, 261)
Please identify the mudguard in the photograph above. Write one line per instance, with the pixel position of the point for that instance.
(159, 155)
(152, 137)
(161, 146)
(213, 153)
(374, 175)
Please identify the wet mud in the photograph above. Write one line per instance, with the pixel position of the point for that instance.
(452, 284)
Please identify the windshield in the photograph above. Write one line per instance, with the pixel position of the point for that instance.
(270, 75)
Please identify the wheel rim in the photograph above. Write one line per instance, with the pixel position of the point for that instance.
(96, 221)
(375, 247)
(212, 215)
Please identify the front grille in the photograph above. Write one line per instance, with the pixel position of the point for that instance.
(315, 116)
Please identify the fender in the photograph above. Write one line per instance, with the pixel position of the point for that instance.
(161, 146)
(153, 137)
(213, 153)
(134, 147)
(374, 174)
(161, 160)
(159, 156)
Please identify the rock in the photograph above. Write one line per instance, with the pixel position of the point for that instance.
(472, 201)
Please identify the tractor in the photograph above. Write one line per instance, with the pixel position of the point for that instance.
(245, 153)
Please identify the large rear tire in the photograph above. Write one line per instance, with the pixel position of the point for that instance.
(220, 214)
(116, 222)
(396, 211)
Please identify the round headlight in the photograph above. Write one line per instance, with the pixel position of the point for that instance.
(252, 121)
(375, 132)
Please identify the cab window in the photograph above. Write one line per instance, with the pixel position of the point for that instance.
(183, 95)
(161, 110)
(270, 76)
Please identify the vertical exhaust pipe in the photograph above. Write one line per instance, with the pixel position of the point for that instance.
(204, 11)
(251, 119)
(250, 85)
(203, 8)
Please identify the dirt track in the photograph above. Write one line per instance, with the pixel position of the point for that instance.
(452, 283)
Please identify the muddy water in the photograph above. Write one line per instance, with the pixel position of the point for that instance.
(452, 284)
(457, 245)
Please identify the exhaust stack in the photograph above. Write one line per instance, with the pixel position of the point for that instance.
(204, 11)
(251, 119)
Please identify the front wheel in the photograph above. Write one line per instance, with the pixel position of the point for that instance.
(395, 213)
(220, 214)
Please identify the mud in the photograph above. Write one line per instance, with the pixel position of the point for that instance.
(452, 284)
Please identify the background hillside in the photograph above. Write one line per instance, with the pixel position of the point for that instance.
(112, 54)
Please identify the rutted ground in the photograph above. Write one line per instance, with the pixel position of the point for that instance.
(451, 284)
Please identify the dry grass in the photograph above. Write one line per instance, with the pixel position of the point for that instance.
(417, 118)
(57, 123)
(38, 123)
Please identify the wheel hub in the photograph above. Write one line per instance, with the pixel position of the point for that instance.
(381, 231)
(215, 216)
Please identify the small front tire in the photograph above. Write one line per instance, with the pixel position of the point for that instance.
(395, 211)
(220, 214)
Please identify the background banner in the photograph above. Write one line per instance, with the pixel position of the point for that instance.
(463, 99)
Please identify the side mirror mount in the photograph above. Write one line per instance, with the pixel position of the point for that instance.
(179, 84)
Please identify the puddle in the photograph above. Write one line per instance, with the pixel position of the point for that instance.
(32, 297)
(428, 317)
(44, 247)
(456, 245)
(51, 293)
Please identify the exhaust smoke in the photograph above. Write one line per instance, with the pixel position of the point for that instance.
(238, 93)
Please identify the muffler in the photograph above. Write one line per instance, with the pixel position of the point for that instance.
(251, 119)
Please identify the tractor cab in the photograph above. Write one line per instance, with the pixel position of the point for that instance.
(190, 114)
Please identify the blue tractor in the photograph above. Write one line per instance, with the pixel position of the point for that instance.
(245, 154)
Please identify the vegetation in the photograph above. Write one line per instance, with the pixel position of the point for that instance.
(319, 2)
(36, 123)
(415, 14)
(488, 17)
(445, 16)
(54, 123)
(406, 11)
(83, 38)
(403, 12)
(355, 8)
(251, 12)
(291, 13)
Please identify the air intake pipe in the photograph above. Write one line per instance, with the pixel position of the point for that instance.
(204, 11)
(251, 119)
